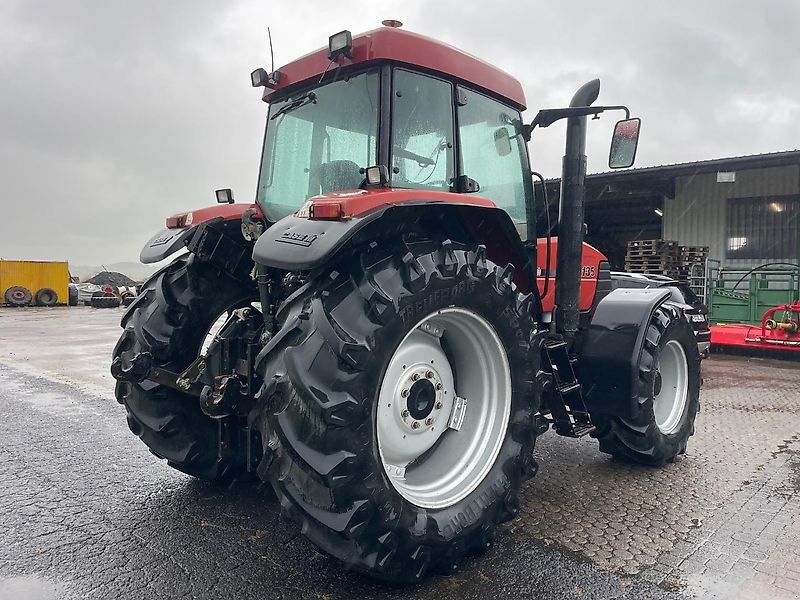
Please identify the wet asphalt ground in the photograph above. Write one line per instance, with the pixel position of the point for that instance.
(87, 512)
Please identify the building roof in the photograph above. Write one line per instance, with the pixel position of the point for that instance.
(660, 179)
(732, 163)
(399, 45)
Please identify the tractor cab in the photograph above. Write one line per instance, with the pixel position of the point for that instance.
(433, 125)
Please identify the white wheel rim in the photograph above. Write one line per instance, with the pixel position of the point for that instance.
(427, 462)
(671, 387)
(213, 331)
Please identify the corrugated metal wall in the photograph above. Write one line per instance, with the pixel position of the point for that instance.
(697, 216)
(35, 275)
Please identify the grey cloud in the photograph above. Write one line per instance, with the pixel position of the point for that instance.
(116, 114)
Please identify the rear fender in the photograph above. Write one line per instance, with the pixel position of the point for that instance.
(301, 244)
(171, 239)
(611, 348)
(165, 243)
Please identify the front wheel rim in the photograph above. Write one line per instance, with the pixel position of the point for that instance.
(451, 356)
(672, 388)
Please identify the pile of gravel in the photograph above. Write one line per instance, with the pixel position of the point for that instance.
(111, 278)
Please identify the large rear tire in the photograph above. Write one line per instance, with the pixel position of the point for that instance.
(359, 452)
(170, 319)
(668, 395)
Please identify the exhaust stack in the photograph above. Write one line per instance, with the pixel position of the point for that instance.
(570, 216)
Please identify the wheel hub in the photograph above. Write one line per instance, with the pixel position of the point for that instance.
(421, 399)
(435, 450)
(657, 384)
(422, 395)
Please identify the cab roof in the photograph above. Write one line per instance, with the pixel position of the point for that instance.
(401, 46)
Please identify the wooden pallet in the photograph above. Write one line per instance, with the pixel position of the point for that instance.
(651, 244)
(655, 262)
(663, 257)
(649, 253)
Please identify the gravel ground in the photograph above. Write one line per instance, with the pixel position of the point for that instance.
(87, 512)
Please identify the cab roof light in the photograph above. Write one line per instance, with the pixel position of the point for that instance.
(377, 176)
(260, 78)
(328, 210)
(340, 44)
(224, 196)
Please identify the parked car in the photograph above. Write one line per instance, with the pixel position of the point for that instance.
(696, 312)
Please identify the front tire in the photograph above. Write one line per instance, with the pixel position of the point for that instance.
(330, 391)
(668, 396)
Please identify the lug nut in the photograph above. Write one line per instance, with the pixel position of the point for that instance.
(415, 425)
(404, 393)
(439, 386)
(428, 421)
(429, 374)
(438, 405)
(415, 377)
(405, 413)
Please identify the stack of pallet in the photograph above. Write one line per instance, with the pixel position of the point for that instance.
(692, 261)
(657, 257)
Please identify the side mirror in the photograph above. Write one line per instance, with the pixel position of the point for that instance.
(624, 143)
(224, 196)
(502, 142)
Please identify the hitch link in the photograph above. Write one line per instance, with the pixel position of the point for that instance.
(142, 368)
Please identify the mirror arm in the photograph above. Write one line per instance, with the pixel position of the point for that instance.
(548, 116)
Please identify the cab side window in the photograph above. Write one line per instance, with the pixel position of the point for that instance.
(493, 151)
(422, 132)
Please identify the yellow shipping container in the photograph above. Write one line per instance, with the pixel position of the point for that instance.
(35, 276)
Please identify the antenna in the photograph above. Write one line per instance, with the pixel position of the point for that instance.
(271, 54)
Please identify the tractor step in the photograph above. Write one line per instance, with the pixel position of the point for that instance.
(568, 412)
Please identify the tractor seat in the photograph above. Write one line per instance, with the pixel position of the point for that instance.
(339, 175)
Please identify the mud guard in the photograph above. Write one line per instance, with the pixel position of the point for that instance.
(164, 243)
(299, 244)
(612, 346)
(296, 244)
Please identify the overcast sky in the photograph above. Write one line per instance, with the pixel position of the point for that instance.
(115, 114)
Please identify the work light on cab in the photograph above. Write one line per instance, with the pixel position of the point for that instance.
(260, 78)
(377, 176)
(224, 196)
(340, 44)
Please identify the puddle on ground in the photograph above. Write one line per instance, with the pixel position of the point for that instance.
(28, 587)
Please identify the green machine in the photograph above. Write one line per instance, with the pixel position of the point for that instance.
(741, 295)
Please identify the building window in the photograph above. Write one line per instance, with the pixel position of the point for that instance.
(764, 227)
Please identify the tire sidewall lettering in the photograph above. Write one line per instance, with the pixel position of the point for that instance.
(416, 308)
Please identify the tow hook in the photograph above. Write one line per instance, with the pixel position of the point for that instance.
(228, 396)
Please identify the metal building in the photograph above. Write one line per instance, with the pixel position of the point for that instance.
(746, 209)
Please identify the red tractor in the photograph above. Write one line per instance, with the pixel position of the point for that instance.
(370, 336)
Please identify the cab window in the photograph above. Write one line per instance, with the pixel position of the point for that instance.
(493, 152)
(422, 132)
